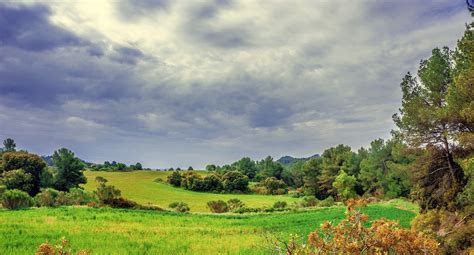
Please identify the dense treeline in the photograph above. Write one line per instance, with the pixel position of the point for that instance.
(114, 167)
(381, 170)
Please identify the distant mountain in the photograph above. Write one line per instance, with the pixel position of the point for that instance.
(288, 160)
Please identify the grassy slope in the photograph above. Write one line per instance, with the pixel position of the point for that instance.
(140, 187)
(115, 231)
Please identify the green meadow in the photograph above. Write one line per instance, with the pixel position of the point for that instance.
(120, 231)
(140, 186)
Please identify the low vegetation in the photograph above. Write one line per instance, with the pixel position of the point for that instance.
(128, 231)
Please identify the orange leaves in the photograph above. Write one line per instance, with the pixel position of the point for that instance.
(352, 237)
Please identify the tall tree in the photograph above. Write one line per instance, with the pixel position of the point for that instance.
(424, 119)
(69, 170)
(312, 171)
(334, 160)
(9, 145)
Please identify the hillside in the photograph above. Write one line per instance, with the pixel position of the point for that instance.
(289, 160)
(141, 187)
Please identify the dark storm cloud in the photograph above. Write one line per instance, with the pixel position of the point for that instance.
(28, 27)
(208, 82)
(127, 55)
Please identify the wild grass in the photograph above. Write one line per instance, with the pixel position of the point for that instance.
(140, 186)
(120, 231)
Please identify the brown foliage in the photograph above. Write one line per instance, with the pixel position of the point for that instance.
(62, 248)
(352, 237)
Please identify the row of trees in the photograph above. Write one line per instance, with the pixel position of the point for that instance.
(28, 172)
(381, 170)
(115, 167)
(230, 182)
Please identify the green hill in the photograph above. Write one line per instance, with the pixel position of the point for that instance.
(141, 187)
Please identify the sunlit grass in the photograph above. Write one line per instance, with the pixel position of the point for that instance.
(141, 187)
(117, 231)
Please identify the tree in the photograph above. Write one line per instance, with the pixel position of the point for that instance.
(424, 119)
(69, 170)
(211, 168)
(247, 167)
(18, 179)
(30, 163)
(9, 145)
(138, 166)
(212, 182)
(344, 185)
(334, 160)
(312, 171)
(235, 181)
(175, 179)
(190, 168)
(106, 193)
(269, 168)
(274, 186)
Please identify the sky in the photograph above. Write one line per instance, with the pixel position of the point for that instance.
(186, 83)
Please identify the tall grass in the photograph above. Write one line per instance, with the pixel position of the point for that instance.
(120, 231)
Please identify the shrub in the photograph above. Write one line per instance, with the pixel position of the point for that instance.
(280, 204)
(212, 182)
(3, 188)
(47, 197)
(18, 179)
(105, 192)
(274, 186)
(309, 201)
(454, 229)
(174, 179)
(245, 209)
(235, 181)
(218, 206)
(192, 181)
(159, 180)
(16, 199)
(328, 202)
(149, 207)
(78, 196)
(121, 203)
(180, 207)
(62, 248)
(235, 204)
(296, 193)
(63, 199)
(352, 237)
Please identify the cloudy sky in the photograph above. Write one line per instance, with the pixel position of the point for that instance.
(179, 83)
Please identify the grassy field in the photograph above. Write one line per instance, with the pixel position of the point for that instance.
(140, 186)
(118, 231)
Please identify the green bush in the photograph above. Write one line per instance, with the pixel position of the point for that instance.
(47, 197)
(174, 179)
(180, 207)
(16, 199)
(78, 196)
(274, 186)
(3, 188)
(121, 203)
(280, 204)
(63, 199)
(18, 179)
(309, 201)
(218, 206)
(328, 202)
(235, 204)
